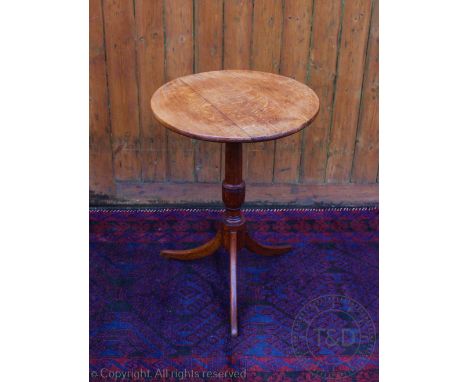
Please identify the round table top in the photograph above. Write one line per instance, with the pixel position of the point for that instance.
(235, 106)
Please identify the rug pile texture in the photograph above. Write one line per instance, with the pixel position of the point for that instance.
(309, 315)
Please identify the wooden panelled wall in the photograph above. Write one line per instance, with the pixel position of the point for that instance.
(138, 45)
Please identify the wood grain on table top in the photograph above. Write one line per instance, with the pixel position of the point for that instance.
(235, 106)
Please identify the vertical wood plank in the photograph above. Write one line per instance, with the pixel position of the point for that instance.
(356, 19)
(122, 80)
(294, 57)
(208, 35)
(179, 62)
(150, 63)
(237, 33)
(100, 150)
(266, 50)
(322, 74)
(237, 45)
(208, 56)
(366, 155)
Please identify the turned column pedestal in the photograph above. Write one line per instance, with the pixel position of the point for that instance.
(232, 235)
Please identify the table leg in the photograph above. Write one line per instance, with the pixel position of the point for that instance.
(204, 250)
(262, 249)
(233, 281)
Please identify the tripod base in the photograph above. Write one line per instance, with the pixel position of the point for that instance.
(223, 238)
(233, 241)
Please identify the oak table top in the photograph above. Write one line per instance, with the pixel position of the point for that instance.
(235, 106)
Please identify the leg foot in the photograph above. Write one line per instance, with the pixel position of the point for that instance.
(204, 250)
(233, 265)
(266, 250)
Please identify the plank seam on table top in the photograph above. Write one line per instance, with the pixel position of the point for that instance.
(222, 113)
(305, 120)
(219, 111)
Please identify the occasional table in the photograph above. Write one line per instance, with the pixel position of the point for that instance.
(233, 107)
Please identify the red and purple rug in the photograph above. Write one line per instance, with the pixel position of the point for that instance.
(309, 315)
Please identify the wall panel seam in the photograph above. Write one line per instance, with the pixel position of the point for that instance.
(166, 135)
(109, 133)
(137, 75)
(335, 81)
(273, 175)
(307, 81)
(364, 76)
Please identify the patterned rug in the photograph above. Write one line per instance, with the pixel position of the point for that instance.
(309, 315)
